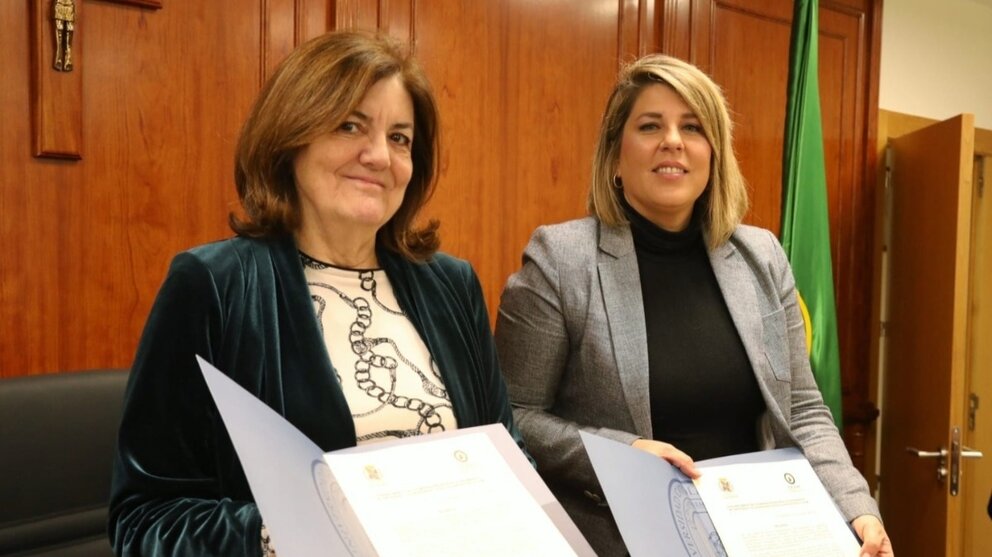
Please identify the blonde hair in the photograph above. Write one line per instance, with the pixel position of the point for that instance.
(725, 200)
(311, 93)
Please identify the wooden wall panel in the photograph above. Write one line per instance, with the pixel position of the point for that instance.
(313, 18)
(521, 85)
(356, 14)
(164, 177)
(278, 28)
(638, 29)
(30, 215)
(674, 27)
(86, 244)
(460, 48)
(723, 37)
(287, 23)
(397, 19)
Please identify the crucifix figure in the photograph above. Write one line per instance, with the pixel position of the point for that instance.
(65, 18)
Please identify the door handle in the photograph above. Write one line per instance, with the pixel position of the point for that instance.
(941, 455)
(958, 452)
(952, 469)
(968, 452)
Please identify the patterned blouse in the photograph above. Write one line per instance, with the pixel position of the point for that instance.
(389, 378)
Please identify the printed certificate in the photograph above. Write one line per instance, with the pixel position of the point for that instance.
(768, 509)
(763, 504)
(450, 496)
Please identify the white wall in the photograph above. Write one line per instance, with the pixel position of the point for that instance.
(937, 58)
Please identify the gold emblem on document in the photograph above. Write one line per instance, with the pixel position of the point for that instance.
(372, 473)
(725, 486)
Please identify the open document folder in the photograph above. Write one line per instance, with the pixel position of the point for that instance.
(464, 492)
(762, 504)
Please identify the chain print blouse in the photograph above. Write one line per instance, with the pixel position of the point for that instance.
(392, 384)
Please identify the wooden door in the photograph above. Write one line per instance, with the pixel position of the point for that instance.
(926, 335)
(978, 431)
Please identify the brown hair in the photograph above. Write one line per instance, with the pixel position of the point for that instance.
(310, 94)
(725, 200)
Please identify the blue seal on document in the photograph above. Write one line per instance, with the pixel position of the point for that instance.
(338, 509)
(699, 537)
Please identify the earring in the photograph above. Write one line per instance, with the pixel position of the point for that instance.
(617, 182)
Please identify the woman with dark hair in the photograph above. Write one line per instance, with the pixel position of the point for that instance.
(329, 304)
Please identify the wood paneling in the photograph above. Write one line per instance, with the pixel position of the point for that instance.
(278, 34)
(86, 244)
(674, 28)
(357, 14)
(287, 23)
(744, 45)
(521, 85)
(638, 29)
(397, 19)
(29, 215)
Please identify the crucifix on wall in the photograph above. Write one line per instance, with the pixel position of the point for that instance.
(56, 82)
(64, 17)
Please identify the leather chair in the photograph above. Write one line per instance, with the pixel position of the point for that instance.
(57, 437)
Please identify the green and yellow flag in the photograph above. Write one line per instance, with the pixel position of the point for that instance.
(805, 220)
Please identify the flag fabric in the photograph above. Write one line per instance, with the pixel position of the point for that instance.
(805, 231)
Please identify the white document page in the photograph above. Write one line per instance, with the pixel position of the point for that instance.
(307, 513)
(774, 509)
(447, 497)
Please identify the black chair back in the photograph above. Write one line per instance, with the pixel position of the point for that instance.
(57, 438)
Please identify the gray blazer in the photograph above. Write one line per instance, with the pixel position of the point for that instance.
(573, 348)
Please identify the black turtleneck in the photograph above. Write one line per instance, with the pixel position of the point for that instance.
(704, 396)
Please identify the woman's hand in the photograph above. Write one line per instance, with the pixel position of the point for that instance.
(668, 452)
(875, 542)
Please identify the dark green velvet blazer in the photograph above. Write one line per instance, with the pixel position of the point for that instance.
(244, 305)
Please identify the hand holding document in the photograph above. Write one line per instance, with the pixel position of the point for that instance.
(764, 504)
(464, 492)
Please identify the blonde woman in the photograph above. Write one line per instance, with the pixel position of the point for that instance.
(660, 320)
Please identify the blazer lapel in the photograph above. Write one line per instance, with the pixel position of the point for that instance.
(308, 376)
(621, 287)
(739, 291)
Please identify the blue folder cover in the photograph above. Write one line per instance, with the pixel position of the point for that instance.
(655, 505)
